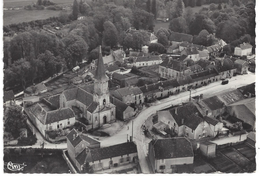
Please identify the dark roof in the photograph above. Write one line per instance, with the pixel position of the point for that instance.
(148, 58)
(92, 107)
(213, 103)
(192, 121)
(188, 115)
(79, 138)
(185, 80)
(100, 72)
(172, 148)
(79, 94)
(180, 37)
(58, 115)
(210, 120)
(112, 68)
(112, 151)
(173, 64)
(190, 51)
(121, 106)
(203, 75)
(203, 63)
(82, 157)
(8, 95)
(54, 100)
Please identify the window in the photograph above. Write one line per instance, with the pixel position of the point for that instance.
(110, 162)
(121, 160)
(104, 101)
(162, 167)
(68, 122)
(128, 158)
(58, 126)
(95, 118)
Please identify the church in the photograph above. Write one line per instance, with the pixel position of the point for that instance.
(92, 101)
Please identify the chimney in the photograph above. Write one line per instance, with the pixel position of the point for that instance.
(182, 121)
(74, 136)
(176, 110)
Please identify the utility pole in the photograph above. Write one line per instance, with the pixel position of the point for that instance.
(190, 94)
(132, 130)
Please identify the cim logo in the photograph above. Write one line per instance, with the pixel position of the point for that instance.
(15, 166)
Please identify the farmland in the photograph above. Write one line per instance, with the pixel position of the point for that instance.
(20, 15)
(22, 3)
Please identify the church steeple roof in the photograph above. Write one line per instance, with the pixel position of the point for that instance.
(100, 72)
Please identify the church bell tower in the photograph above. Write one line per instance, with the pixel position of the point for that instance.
(101, 91)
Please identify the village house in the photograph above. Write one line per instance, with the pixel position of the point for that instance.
(98, 159)
(45, 119)
(208, 149)
(204, 54)
(78, 142)
(244, 49)
(191, 53)
(95, 106)
(129, 95)
(153, 38)
(174, 48)
(225, 67)
(244, 111)
(214, 50)
(241, 66)
(160, 90)
(125, 80)
(213, 106)
(171, 68)
(123, 111)
(149, 60)
(167, 155)
(204, 78)
(145, 49)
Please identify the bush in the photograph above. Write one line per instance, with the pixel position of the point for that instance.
(54, 7)
(27, 141)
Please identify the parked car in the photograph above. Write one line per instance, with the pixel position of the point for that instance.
(224, 82)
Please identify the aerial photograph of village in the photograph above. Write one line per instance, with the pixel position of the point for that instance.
(129, 86)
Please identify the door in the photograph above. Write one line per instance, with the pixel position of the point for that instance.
(104, 119)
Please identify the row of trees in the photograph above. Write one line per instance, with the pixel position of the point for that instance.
(228, 23)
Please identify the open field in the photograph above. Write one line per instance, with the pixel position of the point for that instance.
(21, 3)
(19, 16)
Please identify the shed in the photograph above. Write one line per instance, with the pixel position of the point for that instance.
(208, 149)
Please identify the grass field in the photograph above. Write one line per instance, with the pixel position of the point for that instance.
(21, 3)
(19, 16)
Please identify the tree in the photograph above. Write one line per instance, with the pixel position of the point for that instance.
(75, 10)
(156, 48)
(188, 15)
(75, 49)
(202, 38)
(154, 10)
(128, 41)
(143, 19)
(137, 40)
(178, 25)
(162, 31)
(110, 37)
(14, 120)
(63, 17)
(148, 6)
(201, 22)
(39, 2)
(179, 8)
(163, 39)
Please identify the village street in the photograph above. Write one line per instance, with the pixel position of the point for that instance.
(142, 142)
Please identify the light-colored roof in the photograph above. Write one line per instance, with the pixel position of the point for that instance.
(245, 46)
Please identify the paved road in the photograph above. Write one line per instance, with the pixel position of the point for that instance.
(141, 141)
(208, 91)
